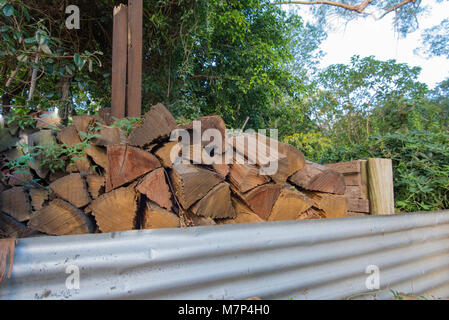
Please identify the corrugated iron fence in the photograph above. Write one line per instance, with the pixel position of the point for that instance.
(321, 259)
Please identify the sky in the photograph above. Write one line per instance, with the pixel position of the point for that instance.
(367, 37)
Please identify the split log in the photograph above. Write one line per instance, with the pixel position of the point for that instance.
(106, 116)
(72, 188)
(38, 198)
(353, 179)
(10, 227)
(289, 205)
(95, 185)
(48, 120)
(354, 192)
(7, 141)
(109, 136)
(262, 198)
(348, 167)
(126, 163)
(116, 210)
(312, 213)
(16, 203)
(316, 177)
(287, 166)
(192, 183)
(43, 138)
(221, 169)
(255, 149)
(216, 203)
(158, 124)
(210, 122)
(333, 206)
(163, 153)
(20, 178)
(156, 188)
(246, 177)
(98, 155)
(83, 165)
(243, 214)
(83, 124)
(202, 221)
(61, 218)
(158, 218)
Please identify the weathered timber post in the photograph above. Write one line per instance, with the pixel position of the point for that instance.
(135, 9)
(380, 186)
(119, 61)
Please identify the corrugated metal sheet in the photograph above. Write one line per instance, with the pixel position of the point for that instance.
(320, 259)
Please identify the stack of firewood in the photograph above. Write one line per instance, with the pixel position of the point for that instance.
(127, 182)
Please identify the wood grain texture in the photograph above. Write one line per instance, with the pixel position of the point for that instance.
(96, 185)
(332, 206)
(38, 198)
(155, 187)
(72, 188)
(116, 210)
(216, 203)
(358, 205)
(10, 227)
(289, 205)
(192, 183)
(316, 177)
(262, 198)
(15, 203)
(158, 123)
(61, 218)
(346, 167)
(246, 177)
(381, 193)
(159, 218)
(126, 163)
(98, 155)
(243, 214)
(119, 61)
(134, 96)
(69, 135)
(163, 153)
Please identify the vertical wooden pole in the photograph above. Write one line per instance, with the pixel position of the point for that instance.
(119, 60)
(380, 186)
(135, 9)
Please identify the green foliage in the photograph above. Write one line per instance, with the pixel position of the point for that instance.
(21, 117)
(53, 156)
(434, 40)
(313, 144)
(125, 125)
(420, 166)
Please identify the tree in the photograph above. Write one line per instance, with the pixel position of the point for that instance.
(406, 11)
(366, 97)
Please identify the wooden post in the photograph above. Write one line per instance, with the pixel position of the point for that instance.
(135, 8)
(380, 185)
(119, 61)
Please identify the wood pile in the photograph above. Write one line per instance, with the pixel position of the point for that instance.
(129, 182)
(356, 179)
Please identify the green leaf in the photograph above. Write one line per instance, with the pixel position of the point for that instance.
(79, 61)
(8, 10)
